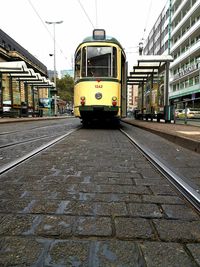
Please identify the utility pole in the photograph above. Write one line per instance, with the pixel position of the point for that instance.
(54, 56)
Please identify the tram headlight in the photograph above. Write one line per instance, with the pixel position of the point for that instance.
(82, 100)
(114, 101)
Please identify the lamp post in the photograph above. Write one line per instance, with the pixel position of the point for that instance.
(140, 48)
(54, 42)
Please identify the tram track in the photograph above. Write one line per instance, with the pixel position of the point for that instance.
(14, 163)
(27, 141)
(190, 194)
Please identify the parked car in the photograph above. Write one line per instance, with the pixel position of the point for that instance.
(177, 112)
(6, 105)
(192, 113)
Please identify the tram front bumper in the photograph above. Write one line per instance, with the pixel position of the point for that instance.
(98, 111)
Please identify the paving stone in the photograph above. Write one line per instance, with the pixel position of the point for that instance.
(79, 208)
(179, 231)
(16, 251)
(163, 190)
(15, 224)
(182, 212)
(59, 226)
(93, 226)
(144, 210)
(126, 189)
(42, 206)
(148, 173)
(162, 199)
(111, 209)
(122, 181)
(166, 254)
(134, 228)
(115, 253)
(68, 253)
(17, 206)
(195, 251)
(104, 197)
(151, 181)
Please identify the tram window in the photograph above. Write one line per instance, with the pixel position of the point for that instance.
(99, 61)
(84, 62)
(78, 64)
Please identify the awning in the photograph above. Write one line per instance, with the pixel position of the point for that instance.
(13, 67)
(148, 66)
(19, 71)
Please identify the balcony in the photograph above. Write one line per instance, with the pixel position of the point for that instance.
(186, 17)
(182, 74)
(179, 9)
(186, 54)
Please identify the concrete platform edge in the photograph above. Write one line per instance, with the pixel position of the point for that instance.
(179, 140)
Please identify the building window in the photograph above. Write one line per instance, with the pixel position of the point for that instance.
(196, 79)
(191, 81)
(181, 85)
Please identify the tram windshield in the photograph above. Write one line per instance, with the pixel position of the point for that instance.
(99, 61)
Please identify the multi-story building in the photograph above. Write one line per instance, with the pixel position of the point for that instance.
(185, 49)
(177, 32)
(132, 97)
(157, 43)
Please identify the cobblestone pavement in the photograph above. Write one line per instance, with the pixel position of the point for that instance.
(93, 200)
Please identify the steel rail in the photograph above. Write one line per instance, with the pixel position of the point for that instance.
(31, 129)
(23, 142)
(36, 151)
(186, 190)
(27, 141)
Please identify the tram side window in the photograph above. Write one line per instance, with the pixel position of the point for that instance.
(99, 61)
(78, 65)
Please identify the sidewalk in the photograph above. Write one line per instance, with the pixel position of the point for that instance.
(184, 135)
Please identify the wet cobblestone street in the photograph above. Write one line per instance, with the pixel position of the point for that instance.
(93, 200)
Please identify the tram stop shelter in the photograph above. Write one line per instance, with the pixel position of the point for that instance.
(19, 71)
(146, 71)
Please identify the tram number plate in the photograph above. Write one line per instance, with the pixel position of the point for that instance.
(98, 86)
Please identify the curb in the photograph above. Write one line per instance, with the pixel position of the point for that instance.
(185, 142)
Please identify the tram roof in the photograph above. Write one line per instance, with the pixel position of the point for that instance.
(108, 39)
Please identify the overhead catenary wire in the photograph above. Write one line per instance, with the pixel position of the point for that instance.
(96, 13)
(43, 23)
(86, 13)
(147, 19)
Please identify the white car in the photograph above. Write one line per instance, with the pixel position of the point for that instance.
(192, 113)
(8, 107)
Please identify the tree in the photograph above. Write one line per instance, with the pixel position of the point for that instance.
(65, 87)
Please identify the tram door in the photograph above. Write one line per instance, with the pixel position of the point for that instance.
(124, 88)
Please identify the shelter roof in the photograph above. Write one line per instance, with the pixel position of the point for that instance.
(20, 71)
(147, 67)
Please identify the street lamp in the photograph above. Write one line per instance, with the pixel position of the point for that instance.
(54, 41)
(140, 48)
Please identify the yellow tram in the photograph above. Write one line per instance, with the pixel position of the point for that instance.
(100, 78)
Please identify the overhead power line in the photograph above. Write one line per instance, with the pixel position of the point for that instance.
(43, 23)
(147, 19)
(96, 13)
(86, 13)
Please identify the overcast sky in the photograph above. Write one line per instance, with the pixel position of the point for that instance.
(126, 20)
